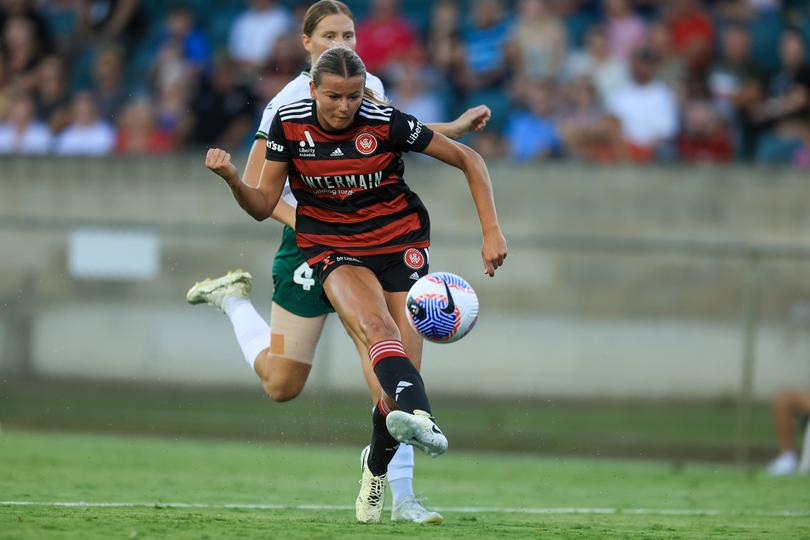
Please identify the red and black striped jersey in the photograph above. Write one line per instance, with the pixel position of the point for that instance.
(352, 197)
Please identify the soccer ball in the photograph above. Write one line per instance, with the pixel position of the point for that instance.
(442, 307)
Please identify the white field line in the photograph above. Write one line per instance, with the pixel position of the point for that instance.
(449, 509)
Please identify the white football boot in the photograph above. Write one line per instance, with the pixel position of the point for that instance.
(785, 464)
(369, 505)
(235, 283)
(418, 430)
(412, 510)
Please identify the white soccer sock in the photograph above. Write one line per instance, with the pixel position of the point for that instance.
(252, 332)
(400, 473)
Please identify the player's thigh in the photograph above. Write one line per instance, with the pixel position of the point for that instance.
(357, 296)
(288, 360)
(411, 340)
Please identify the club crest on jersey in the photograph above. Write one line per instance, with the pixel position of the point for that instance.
(414, 258)
(366, 143)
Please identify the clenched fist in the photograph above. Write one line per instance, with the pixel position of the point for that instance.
(219, 161)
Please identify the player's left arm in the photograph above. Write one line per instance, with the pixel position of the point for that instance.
(473, 119)
(470, 162)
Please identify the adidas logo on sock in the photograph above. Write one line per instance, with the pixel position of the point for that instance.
(336, 153)
(414, 276)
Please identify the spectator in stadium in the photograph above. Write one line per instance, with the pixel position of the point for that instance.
(23, 52)
(223, 108)
(109, 88)
(105, 22)
(705, 137)
(87, 134)
(647, 110)
(672, 68)
(540, 40)
(172, 113)
(789, 407)
(734, 87)
(52, 95)
(298, 310)
(786, 111)
(623, 28)
(483, 66)
(411, 92)
(587, 133)
(22, 133)
(444, 34)
(732, 70)
(608, 73)
(171, 69)
(138, 132)
(364, 276)
(532, 133)
(27, 10)
(284, 65)
(692, 32)
(254, 33)
(181, 32)
(385, 37)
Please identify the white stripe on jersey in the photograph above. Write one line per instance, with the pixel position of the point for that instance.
(375, 117)
(375, 109)
(293, 116)
(284, 112)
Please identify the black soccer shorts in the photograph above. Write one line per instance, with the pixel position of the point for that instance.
(397, 272)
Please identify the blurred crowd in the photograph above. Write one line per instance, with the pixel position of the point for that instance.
(601, 81)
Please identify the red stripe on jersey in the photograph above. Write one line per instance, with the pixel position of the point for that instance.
(343, 167)
(376, 237)
(375, 210)
(394, 248)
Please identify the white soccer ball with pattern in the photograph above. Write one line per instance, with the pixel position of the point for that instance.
(442, 307)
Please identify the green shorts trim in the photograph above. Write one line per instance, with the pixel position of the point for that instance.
(296, 286)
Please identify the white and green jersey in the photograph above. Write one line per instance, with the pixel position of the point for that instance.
(296, 90)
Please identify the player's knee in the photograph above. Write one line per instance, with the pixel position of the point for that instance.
(377, 328)
(281, 391)
(281, 386)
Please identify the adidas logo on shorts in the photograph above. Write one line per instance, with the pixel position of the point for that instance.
(414, 276)
(336, 153)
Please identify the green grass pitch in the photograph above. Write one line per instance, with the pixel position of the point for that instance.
(618, 499)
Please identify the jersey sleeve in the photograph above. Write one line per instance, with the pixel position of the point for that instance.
(408, 133)
(277, 148)
(374, 83)
(267, 119)
(290, 93)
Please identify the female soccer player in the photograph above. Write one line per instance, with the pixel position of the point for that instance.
(364, 231)
(298, 311)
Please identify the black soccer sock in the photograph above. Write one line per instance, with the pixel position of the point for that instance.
(383, 445)
(397, 376)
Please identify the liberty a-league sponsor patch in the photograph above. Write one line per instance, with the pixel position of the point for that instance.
(414, 258)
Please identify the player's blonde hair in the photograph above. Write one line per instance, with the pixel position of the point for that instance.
(343, 62)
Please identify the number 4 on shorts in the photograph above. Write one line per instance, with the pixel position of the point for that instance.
(303, 276)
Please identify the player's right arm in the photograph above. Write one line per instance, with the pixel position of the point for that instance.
(284, 212)
(259, 202)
